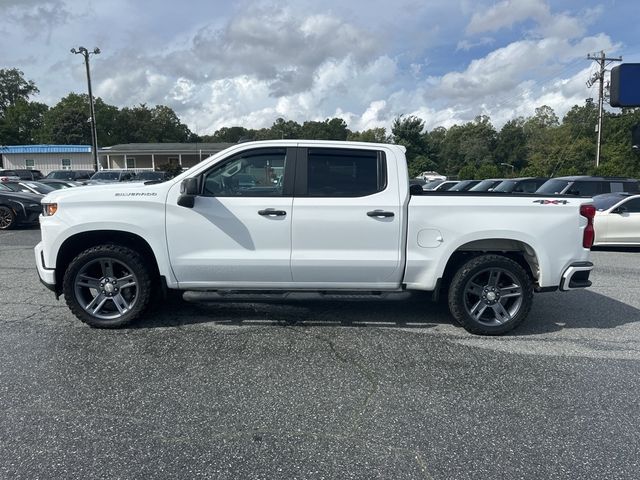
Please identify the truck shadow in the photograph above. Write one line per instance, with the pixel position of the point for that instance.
(551, 312)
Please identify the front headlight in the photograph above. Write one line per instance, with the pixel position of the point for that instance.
(49, 209)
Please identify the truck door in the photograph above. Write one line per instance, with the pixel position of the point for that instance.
(347, 219)
(238, 232)
(624, 227)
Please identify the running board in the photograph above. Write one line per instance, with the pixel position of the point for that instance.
(274, 296)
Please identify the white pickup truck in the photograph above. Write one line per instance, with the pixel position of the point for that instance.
(310, 216)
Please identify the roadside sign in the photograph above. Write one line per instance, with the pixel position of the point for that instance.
(625, 85)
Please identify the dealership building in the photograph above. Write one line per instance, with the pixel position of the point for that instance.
(46, 157)
(131, 156)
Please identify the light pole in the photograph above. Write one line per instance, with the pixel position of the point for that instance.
(94, 133)
(509, 165)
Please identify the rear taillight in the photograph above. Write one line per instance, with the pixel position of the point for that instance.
(589, 234)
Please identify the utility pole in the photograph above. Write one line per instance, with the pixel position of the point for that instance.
(601, 58)
(94, 132)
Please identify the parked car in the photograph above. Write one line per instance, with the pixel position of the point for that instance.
(111, 176)
(22, 173)
(430, 176)
(417, 181)
(586, 186)
(617, 220)
(344, 219)
(76, 175)
(464, 185)
(446, 185)
(29, 187)
(520, 185)
(151, 176)
(432, 184)
(18, 208)
(486, 185)
(60, 184)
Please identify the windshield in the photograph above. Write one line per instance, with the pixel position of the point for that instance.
(60, 175)
(484, 185)
(5, 188)
(106, 176)
(150, 176)
(464, 185)
(39, 187)
(553, 186)
(506, 186)
(12, 187)
(606, 201)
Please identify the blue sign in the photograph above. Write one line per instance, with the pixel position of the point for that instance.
(625, 85)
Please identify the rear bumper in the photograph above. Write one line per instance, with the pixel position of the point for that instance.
(576, 276)
(47, 275)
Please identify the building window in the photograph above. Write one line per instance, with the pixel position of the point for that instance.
(173, 161)
(29, 163)
(131, 162)
(66, 164)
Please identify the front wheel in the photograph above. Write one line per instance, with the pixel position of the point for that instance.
(107, 286)
(490, 295)
(7, 218)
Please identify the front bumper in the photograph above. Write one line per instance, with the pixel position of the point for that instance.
(576, 276)
(47, 275)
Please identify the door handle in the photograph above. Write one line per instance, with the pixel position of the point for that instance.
(379, 214)
(270, 212)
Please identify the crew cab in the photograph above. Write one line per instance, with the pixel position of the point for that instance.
(317, 216)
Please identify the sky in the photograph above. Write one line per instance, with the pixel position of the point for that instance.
(248, 62)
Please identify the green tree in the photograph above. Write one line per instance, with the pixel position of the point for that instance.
(373, 135)
(330, 129)
(166, 126)
(107, 124)
(470, 144)
(22, 123)
(544, 152)
(407, 131)
(282, 128)
(420, 164)
(13, 88)
(226, 135)
(511, 144)
(68, 122)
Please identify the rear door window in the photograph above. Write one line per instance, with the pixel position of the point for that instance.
(333, 172)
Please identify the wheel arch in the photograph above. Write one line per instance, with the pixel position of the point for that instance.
(517, 250)
(79, 242)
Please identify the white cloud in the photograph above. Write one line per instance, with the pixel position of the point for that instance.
(506, 14)
(468, 45)
(249, 63)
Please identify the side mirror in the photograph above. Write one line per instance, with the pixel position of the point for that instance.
(189, 189)
(415, 189)
(189, 186)
(620, 210)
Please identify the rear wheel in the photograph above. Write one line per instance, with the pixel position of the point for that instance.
(7, 218)
(107, 286)
(490, 295)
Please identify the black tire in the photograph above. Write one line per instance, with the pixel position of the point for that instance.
(7, 218)
(490, 295)
(125, 286)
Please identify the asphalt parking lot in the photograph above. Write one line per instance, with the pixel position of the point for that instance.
(378, 389)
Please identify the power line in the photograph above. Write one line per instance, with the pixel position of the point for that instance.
(601, 59)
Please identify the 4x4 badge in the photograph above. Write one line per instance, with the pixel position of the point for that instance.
(551, 202)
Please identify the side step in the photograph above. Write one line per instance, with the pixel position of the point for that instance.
(278, 296)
